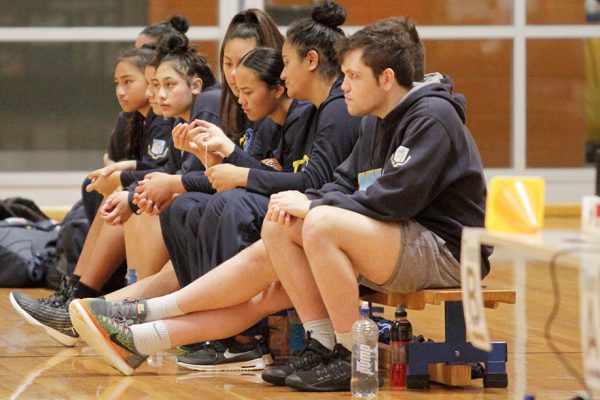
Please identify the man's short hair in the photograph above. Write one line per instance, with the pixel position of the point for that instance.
(389, 43)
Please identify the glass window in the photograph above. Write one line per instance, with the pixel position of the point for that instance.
(58, 13)
(482, 71)
(58, 98)
(424, 12)
(59, 104)
(198, 12)
(556, 102)
(549, 12)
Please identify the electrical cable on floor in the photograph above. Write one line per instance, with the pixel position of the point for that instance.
(556, 307)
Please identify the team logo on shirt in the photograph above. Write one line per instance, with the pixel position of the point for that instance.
(366, 178)
(157, 149)
(400, 157)
(299, 165)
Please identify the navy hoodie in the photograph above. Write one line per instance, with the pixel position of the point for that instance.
(420, 162)
(117, 143)
(293, 129)
(332, 133)
(257, 144)
(155, 146)
(206, 107)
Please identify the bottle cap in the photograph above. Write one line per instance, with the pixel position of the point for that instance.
(400, 311)
(364, 308)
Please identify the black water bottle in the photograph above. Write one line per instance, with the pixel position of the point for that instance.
(401, 336)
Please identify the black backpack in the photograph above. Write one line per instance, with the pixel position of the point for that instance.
(71, 236)
(21, 207)
(26, 250)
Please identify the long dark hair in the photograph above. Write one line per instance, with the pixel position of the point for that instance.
(247, 24)
(134, 131)
(320, 33)
(267, 63)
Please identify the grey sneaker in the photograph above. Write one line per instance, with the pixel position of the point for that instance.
(127, 311)
(64, 293)
(53, 317)
(110, 337)
(228, 355)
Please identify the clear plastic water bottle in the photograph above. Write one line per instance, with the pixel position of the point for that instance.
(365, 355)
(156, 360)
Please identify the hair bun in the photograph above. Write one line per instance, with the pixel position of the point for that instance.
(173, 43)
(329, 14)
(179, 23)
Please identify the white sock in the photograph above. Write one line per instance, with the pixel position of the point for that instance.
(322, 331)
(151, 337)
(345, 339)
(162, 308)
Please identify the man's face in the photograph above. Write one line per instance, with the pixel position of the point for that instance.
(362, 91)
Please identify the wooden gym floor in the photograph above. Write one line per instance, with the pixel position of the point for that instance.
(34, 366)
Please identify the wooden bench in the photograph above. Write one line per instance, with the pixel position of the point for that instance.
(449, 362)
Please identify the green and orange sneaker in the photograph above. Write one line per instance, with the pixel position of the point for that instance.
(110, 336)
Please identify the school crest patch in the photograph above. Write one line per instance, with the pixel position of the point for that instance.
(157, 149)
(400, 156)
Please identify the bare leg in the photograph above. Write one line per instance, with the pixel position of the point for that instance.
(284, 245)
(225, 322)
(88, 245)
(159, 284)
(341, 244)
(146, 250)
(105, 252)
(234, 282)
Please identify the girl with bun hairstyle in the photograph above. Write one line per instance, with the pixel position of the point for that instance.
(245, 288)
(247, 30)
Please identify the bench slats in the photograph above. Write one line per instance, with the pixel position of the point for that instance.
(418, 300)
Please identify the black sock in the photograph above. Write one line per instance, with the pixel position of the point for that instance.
(83, 291)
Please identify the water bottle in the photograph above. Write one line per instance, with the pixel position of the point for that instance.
(401, 331)
(131, 276)
(296, 332)
(365, 372)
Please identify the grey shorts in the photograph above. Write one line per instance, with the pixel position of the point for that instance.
(425, 262)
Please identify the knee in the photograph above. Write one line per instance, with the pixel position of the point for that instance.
(272, 231)
(319, 226)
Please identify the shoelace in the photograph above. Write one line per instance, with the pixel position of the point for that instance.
(59, 296)
(331, 365)
(125, 312)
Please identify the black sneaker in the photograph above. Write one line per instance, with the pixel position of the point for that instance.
(228, 355)
(313, 354)
(64, 293)
(331, 376)
(192, 347)
(53, 316)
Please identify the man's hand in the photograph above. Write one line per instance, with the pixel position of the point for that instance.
(286, 207)
(226, 177)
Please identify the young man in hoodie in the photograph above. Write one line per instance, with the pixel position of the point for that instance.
(393, 217)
